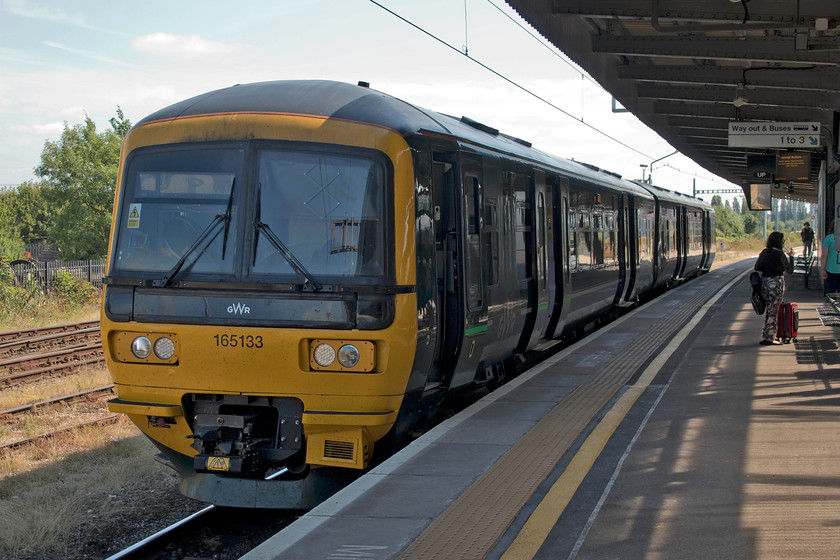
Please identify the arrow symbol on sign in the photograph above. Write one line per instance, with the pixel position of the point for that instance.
(814, 141)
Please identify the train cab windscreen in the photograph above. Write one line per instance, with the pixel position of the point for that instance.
(311, 216)
(324, 209)
(179, 201)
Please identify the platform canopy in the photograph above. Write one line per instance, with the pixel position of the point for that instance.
(726, 82)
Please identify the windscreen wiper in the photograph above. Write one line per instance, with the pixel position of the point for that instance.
(217, 219)
(227, 217)
(309, 283)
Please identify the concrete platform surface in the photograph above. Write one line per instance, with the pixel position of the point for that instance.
(669, 434)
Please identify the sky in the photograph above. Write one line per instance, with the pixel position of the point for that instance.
(62, 61)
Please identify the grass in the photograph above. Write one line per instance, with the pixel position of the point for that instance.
(750, 244)
(40, 315)
(87, 493)
(73, 496)
(28, 393)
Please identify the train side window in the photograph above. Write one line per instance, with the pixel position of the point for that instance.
(491, 240)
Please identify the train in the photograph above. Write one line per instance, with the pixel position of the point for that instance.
(300, 272)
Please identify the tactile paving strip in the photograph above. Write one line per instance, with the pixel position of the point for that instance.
(475, 522)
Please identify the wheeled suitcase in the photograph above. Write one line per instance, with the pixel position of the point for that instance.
(788, 322)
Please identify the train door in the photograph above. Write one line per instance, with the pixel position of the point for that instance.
(682, 240)
(473, 288)
(543, 229)
(559, 273)
(706, 239)
(627, 250)
(461, 290)
(450, 316)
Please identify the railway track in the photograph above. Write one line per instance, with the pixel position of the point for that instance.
(105, 389)
(48, 352)
(207, 532)
(42, 342)
(110, 419)
(11, 336)
(33, 354)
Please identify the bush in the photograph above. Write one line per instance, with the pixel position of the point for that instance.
(13, 298)
(70, 289)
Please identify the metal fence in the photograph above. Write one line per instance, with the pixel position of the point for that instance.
(30, 272)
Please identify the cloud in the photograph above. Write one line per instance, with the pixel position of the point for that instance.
(23, 8)
(183, 46)
(88, 54)
(46, 129)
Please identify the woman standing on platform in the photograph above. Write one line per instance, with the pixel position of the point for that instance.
(772, 263)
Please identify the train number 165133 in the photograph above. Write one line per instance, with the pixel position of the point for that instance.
(238, 341)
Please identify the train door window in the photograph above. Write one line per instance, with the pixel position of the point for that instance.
(541, 240)
(584, 238)
(610, 254)
(571, 239)
(522, 228)
(696, 235)
(597, 238)
(491, 240)
(472, 262)
(521, 209)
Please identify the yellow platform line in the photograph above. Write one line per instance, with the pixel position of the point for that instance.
(548, 512)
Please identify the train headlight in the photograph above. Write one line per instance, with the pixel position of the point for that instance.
(324, 355)
(164, 348)
(141, 347)
(147, 348)
(348, 356)
(356, 356)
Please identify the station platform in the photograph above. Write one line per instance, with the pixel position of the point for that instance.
(668, 434)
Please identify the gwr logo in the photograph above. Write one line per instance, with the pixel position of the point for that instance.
(238, 308)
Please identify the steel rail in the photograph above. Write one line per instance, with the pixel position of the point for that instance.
(43, 342)
(149, 546)
(63, 398)
(49, 435)
(9, 336)
(50, 363)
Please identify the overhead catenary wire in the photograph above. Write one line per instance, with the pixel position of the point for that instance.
(548, 47)
(510, 81)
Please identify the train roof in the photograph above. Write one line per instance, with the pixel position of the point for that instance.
(673, 196)
(359, 103)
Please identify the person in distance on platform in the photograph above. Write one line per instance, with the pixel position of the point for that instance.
(807, 236)
(830, 264)
(772, 263)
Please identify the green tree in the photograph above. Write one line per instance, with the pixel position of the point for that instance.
(80, 170)
(717, 200)
(26, 213)
(729, 224)
(752, 223)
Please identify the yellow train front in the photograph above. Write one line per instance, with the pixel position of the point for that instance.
(260, 314)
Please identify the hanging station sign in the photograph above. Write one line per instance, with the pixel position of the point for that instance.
(743, 134)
